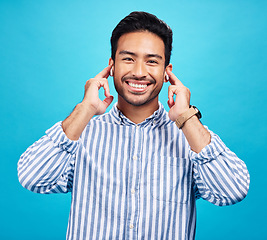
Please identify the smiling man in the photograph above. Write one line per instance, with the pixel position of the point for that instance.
(136, 171)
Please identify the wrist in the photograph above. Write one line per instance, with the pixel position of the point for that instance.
(182, 118)
(182, 111)
(74, 124)
(87, 108)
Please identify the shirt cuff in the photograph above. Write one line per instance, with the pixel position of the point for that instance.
(210, 152)
(57, 135)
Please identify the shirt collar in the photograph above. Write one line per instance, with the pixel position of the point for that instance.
(121, 119)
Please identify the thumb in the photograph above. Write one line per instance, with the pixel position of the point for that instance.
(108, 100)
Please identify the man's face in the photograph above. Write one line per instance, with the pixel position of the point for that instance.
(139, 67)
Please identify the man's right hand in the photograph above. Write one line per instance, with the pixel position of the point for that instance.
(91, 105)
(91, 92)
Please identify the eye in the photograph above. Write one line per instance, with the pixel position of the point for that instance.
(127, 59)
(152, 62)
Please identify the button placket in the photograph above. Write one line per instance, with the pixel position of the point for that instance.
(134, 180)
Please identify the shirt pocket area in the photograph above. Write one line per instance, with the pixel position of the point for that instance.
(171, 179)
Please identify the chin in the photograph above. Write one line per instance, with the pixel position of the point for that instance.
(138, 102)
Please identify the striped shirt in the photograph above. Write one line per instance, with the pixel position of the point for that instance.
(132, 181)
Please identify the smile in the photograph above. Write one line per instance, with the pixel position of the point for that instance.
(140, 86)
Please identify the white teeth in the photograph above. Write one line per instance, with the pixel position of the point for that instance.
(137, 85)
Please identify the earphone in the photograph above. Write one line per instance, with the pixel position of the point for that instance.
(167, 76)
(111, 72)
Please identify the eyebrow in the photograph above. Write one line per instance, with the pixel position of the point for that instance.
(154, 55)
(125, 52)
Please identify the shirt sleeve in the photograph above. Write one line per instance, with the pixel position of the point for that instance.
(47, 166)
(219, 175)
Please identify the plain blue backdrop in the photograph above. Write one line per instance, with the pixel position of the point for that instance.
(48, 49)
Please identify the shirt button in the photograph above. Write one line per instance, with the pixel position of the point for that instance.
(131, 226)
(134, 157)
(133, 191)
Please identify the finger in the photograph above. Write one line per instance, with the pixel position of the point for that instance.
(96, 84)
(169, 104)
(106, 89)
(104, 73)
(170, 96)
(108, 101)
(173, 79)
(104, 84)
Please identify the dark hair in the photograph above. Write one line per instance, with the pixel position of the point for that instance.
(143, 21)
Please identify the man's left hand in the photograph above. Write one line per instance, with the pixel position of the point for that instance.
(182, 100)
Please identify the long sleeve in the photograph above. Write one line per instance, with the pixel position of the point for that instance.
(219, 175)
(47, 166)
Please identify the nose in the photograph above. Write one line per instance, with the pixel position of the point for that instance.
(139, 70)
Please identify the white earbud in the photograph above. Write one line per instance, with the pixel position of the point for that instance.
(111, 72)
(166, 76)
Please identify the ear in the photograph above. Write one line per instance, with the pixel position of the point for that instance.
(166, 77)
(111, 62)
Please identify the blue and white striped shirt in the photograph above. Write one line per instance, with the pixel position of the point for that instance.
(132, 181)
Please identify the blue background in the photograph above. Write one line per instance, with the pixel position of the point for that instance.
(50, 48)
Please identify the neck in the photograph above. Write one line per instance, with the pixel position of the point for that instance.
(137, 114)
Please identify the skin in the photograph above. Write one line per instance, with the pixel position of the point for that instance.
(139, 73)
(139, 59)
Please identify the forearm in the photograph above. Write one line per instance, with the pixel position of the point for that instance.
(74, 124)
(196, 134)
(220, 176)
(91, 105)
(47, 166)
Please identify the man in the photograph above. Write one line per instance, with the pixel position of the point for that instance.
(136, 171)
